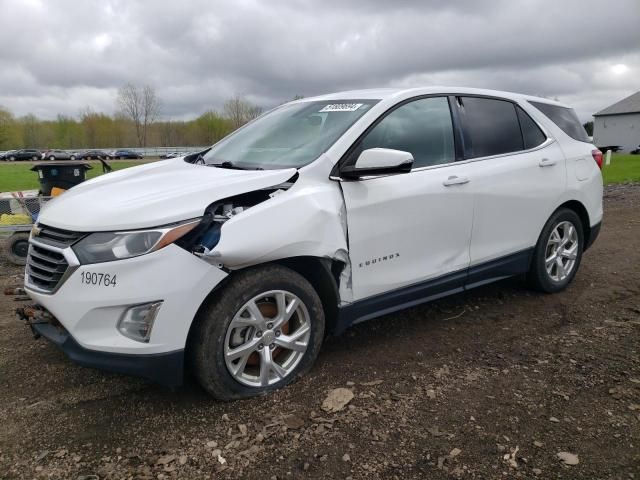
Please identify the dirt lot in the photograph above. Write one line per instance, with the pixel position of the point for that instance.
(490, 384)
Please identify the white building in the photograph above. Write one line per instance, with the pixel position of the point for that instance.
(618, 124)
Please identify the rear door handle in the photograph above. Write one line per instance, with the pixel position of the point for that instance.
(455, 180)
(547, 162)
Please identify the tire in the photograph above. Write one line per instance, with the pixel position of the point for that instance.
(557, 277)
(216, 329)
(12, 159)
(72, 157)
(34, 158)
(17, 247)
(52, 158)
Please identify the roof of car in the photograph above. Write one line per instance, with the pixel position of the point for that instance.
(388, 93)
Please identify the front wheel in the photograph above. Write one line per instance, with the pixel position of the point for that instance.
(52, 158)
(263, 331)
(558, 252)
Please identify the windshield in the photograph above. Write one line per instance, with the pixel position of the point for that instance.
(290, 136)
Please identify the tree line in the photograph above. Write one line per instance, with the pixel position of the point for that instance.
(136, 123)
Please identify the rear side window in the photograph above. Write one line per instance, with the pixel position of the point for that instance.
(531, 133)
(490, 127)
(565, 118)
(422, 127)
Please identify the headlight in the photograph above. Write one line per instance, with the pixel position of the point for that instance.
(109, 246)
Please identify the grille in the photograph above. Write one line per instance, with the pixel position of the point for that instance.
(46, 267)
(58, 237)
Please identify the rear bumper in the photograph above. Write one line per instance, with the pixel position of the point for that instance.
(593, 235)
(163, 368)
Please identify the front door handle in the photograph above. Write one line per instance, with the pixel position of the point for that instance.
(455, 180)
(547, 162)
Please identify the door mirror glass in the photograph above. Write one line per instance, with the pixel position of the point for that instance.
(379, 161)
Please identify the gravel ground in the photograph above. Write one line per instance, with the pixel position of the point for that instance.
(500, 382)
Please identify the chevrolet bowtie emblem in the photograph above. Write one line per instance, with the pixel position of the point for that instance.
(35, 231)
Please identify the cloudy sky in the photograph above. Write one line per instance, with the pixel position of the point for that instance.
(61, 56)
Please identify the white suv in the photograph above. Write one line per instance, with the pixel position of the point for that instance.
(321, 213)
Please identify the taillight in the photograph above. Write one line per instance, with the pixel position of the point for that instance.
(597, 156)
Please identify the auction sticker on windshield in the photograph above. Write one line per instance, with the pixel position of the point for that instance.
(341, 107)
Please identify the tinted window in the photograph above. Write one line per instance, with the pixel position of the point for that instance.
(531, 133)
(422, 127)
(565, 118)
(490, 127)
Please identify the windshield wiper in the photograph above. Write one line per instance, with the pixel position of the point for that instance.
(231, 166)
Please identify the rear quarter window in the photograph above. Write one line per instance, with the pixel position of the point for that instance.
(565, 118)
(531, 133)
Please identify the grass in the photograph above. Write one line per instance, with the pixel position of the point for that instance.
(623, 168)
(18, 176)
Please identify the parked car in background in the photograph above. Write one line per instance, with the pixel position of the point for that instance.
(24, 154)
(5, 155)
(92, 155)
(128, 154)
(173, 155)
(58, 155)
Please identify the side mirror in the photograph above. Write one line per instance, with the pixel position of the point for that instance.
(379, 161)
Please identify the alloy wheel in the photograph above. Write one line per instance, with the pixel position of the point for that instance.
(267, 338)
(562, 251)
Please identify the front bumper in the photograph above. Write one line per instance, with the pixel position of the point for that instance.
(163, 368)
(90, 313)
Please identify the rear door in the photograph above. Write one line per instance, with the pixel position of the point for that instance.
(410, 228)
(518, 174)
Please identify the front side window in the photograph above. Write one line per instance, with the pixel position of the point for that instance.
(490, 127)
(290, 136)
(422, 127)
(565, 118)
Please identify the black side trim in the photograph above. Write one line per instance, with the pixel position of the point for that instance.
(593, 234)
(163, 368)
(494, 270)
(449, 284)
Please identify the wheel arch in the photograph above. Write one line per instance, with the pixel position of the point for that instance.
(582, 212)
(322, 273)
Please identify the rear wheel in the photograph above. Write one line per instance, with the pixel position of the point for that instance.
(12, 158)
(34, 158)
(52, 158)
(17, 248)
(262, 332)
(558, 252)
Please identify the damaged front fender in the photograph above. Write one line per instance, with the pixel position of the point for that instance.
(308, 219)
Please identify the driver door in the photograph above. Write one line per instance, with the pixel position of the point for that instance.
(414, 229)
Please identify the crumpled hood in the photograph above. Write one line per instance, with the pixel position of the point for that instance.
(150, 195)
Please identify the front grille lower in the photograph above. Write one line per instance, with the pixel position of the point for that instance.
(45, 268)
(46, 264)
